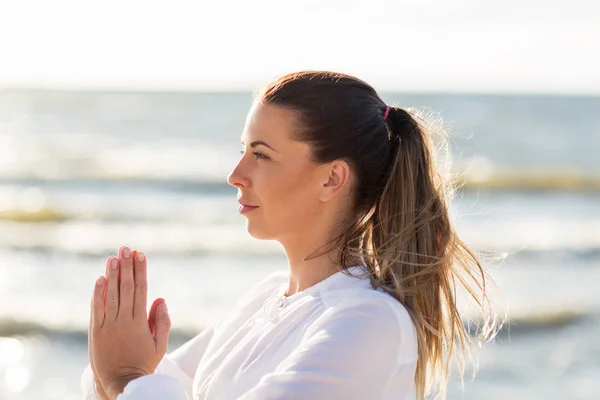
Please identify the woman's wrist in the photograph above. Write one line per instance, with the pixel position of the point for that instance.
(100, 393)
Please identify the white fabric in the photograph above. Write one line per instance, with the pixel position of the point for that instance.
(338, 339)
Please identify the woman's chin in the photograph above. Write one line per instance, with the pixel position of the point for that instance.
(256, 232)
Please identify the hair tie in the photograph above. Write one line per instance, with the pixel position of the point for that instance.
(386, 113)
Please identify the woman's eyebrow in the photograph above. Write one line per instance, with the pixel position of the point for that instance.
(260, 142)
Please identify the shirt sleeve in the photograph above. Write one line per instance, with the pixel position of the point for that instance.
(179, 365)
(154, 387)
(350, 352)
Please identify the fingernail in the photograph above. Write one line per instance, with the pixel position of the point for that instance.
(164, 308)
(140, 256)
(100, 281)
(114, 263)
(126, 252)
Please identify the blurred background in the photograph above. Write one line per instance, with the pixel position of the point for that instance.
(119, 122)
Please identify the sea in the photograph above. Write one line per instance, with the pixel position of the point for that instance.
(84, 172)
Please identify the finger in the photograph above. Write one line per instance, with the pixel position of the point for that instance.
(127, 285)
(152, 315)
(112, 289)
(93, 315)
(90, 342)
(163, 327)
(97, 312)
(105, 287)
(90, 328)
(140, 298)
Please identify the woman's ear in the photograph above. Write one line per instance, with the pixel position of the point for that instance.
(337, 179)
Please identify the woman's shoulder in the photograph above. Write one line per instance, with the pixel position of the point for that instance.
(374, 302)
(373, 312)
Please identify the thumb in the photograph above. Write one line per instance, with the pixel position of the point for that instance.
(152, 314)
(163, 327)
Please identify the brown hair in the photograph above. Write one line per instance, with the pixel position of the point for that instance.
(400, 225)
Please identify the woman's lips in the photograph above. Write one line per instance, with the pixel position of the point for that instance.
(246, 209)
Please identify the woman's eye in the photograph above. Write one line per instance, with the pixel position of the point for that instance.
(260, 156)
(257, 155)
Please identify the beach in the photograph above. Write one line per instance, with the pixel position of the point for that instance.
(82, 173)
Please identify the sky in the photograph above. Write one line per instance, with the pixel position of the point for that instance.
(530, 46)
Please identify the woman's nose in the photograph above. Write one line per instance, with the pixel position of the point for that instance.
(237, 177)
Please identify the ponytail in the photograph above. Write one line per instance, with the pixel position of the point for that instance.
(417, 257)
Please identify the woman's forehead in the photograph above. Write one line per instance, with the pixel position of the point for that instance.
(268, 123)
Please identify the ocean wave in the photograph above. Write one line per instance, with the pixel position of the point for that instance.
(498, 179)
(87, 239)
(530, 180)
(580, 257)
(11, 327)
(170, 184)
(558, 254)
(91, 239)
(42, 215)
(547, 322)
(534, 323)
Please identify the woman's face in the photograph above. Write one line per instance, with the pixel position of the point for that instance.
(279, 186)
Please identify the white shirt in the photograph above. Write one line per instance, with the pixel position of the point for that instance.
(338, 339)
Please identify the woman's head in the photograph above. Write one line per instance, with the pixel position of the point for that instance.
(326, 158)
(289, 194)
(338, 163)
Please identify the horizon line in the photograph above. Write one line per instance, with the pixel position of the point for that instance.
(237, 90)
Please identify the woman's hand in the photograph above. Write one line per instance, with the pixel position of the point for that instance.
(151, 324)
(125, 344)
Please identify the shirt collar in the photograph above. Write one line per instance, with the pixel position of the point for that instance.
(353, 277)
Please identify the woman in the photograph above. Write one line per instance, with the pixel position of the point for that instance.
(367, 310)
